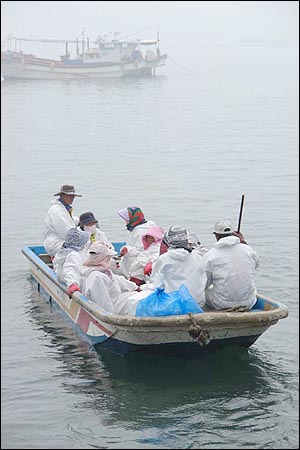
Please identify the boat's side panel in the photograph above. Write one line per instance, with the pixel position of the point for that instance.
(29, 70)
(180, 349)
(138, 336)
(132, 339)
(130, 335)
(94, 330)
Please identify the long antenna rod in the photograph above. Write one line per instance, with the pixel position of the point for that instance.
(157, 24)
(133, 34)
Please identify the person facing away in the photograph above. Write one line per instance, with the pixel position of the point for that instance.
(196, 245)
(59, 219)
(68, 261)
(98, 282)
(229, 267)
(178, 265)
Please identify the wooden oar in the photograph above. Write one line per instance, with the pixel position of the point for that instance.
(241, 212)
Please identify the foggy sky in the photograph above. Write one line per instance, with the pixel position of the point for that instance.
(180, 23)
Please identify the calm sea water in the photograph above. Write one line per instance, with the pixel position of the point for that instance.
(184, 147)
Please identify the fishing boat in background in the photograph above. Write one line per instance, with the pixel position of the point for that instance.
(188, 335)
(108, 58)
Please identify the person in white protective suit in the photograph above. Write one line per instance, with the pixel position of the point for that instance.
(178, 265)
(88, 222)
(196, 245)
(136, 225)
(229, 267)
(151, 242)
(68, 261)
(59, 219)
(99, 283)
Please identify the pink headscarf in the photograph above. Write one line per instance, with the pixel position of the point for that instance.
(99, 256)
(155, 232)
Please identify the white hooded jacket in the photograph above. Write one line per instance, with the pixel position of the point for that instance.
(105, 289)
(151, 254)
(230, 267)
(134, 238)
(68, 266)
(99, 236)
(57, 223)
(134, 246)
(176, 267)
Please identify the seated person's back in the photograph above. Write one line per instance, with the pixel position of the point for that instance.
(229, 268)
(179, 265)
(67, 263)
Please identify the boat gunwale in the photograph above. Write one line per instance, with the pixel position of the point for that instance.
(31, 60)
(209, 318)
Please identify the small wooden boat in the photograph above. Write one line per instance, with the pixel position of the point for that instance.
(189, 335)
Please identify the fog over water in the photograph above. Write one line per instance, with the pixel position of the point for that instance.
(221, 119)
(182, 24)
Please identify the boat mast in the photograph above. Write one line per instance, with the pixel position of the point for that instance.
(67, 50)
(157, 33)
(82, 40)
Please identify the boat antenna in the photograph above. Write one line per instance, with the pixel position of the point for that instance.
(137, 32)
(157, 25)
(82, 40)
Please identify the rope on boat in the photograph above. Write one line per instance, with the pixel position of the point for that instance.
(196, 332)
(237, 309)
(191, 71)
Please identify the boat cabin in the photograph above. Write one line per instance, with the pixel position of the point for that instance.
(116, 52)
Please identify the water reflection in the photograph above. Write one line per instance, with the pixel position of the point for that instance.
(133, 83)
(157, 402)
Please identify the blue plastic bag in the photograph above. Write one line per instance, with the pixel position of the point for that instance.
(160, 303)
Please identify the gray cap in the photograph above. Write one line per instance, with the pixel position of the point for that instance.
(223, 227)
